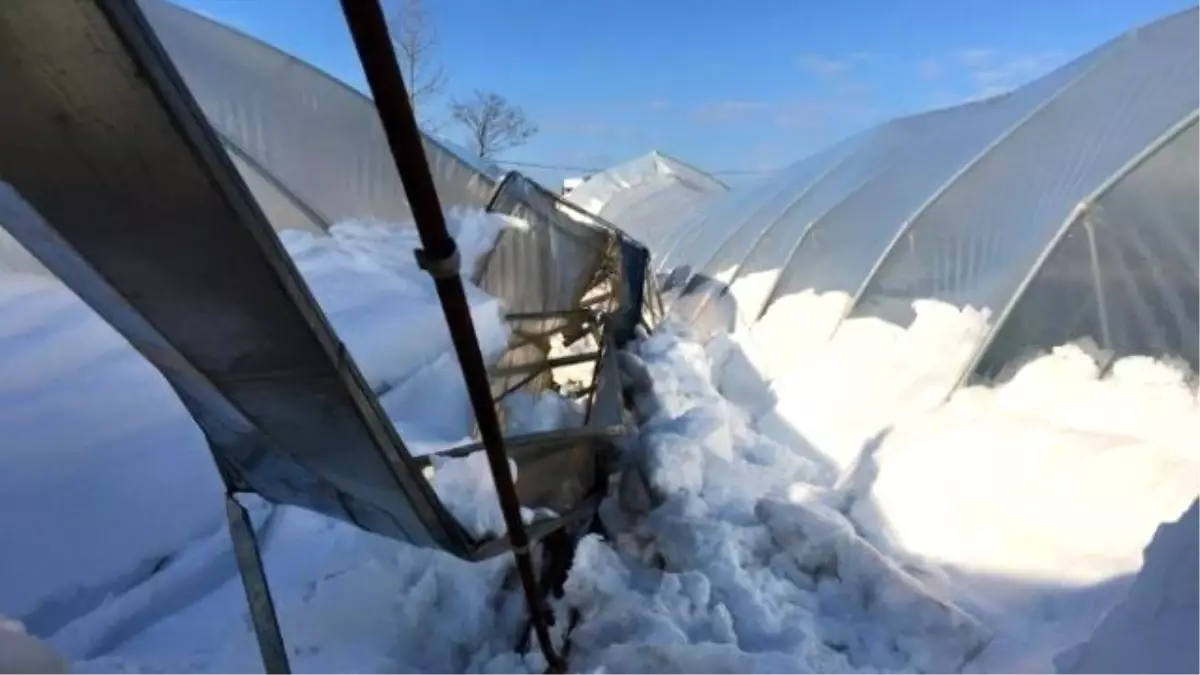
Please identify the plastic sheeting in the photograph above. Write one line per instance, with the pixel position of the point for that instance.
(981, 237)
(309, 147)
(316, 143)
(646, 195)
(978, 204)
(752, 217)
(1125, 275)
(845, 244)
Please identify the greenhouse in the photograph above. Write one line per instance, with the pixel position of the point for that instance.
(1065, 209)
(647, 192)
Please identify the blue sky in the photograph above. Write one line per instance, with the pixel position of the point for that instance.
(727, 85)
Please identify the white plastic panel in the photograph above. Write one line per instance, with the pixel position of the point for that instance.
(649, 209)
(312, 133)
(281, 210)
(721, 224)
(599, 189)
(845, 244)
(980, 238)
(652, 198)
(711, 220)
(721, 257)
(755, 279)
(1126, 277)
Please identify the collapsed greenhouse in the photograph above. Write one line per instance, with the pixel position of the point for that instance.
(226, 195)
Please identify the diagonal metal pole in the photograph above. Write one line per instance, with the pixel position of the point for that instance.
(440, 258)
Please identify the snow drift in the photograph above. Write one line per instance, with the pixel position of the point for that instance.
(101, 461)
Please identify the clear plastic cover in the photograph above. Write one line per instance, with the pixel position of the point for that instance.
(689, 245)
(728, 249)
(713, 219)
(314, 135)
(647, 197)
(1125, 278)
(979, 239)
(756, 277)
(844, 245)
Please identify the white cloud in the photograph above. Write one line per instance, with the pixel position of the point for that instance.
(726, 111)
(992, 72)
(930, 69)
(977, 57)
(824, 66)
(812, 113)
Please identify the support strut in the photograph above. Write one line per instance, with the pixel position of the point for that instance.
(439, 257)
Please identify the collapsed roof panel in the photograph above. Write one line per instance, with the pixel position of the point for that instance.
(120, 188)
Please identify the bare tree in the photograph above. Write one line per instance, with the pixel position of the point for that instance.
(416, 44)
(493, 123)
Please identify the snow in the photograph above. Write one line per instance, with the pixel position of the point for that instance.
(872, 373)
(347, 601)
(386, 311)
(744, 557)
(126, 482)
(1155, 629)
(1027, 503)
(850, 512)
(987, 530)
(21, 652)
(120, 481)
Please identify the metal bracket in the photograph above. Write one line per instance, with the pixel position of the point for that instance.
(258, 594)
(439, 268)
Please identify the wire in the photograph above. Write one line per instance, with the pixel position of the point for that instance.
(592, 169)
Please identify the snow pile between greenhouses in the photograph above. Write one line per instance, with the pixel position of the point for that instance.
(1027, 502)
(740, 563)
(873, 373)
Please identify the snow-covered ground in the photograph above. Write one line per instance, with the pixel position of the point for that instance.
(842, 516)
(1027, 503)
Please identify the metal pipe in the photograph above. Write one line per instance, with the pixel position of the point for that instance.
(440, 259)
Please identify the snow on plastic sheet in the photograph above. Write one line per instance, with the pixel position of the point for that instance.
(121, 481)
(721, 565)
(386, 310)
(466, 486)
(383, 306)
(347, 601)
(1155, 629)
(126, 482)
